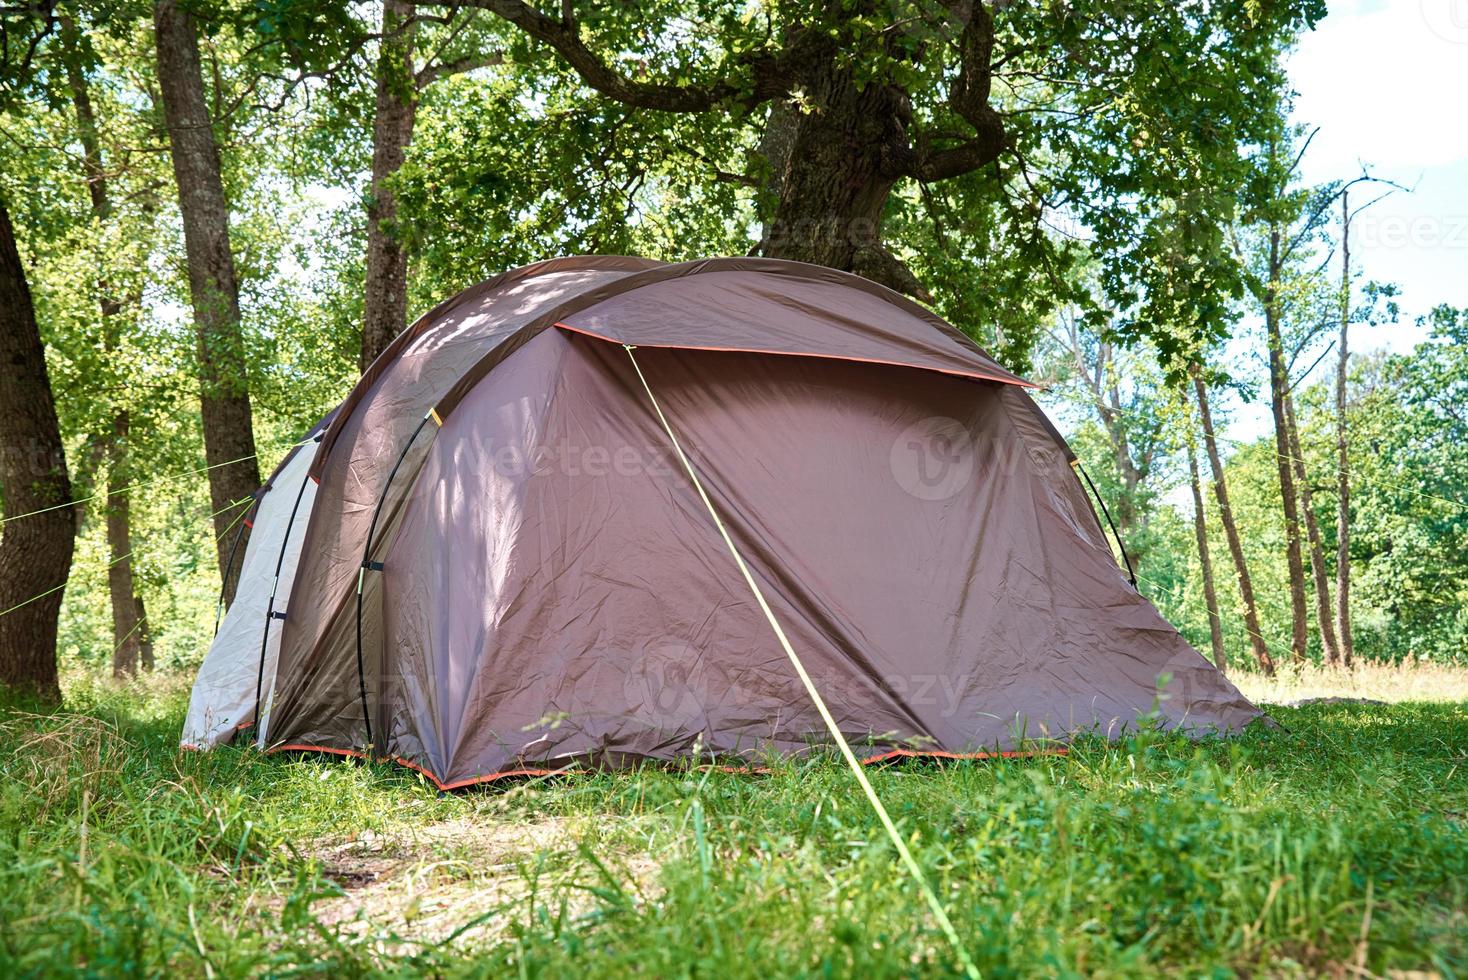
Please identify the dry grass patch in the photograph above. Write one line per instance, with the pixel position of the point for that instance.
(60, 754)
(1374, 681)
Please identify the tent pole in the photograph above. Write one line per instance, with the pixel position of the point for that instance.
(270, 612)
(229, 564)
(1131, 575)
(368, 565)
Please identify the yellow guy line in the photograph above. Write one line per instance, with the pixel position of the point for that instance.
(861, 777)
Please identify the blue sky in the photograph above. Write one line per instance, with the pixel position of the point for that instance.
(1386, 83)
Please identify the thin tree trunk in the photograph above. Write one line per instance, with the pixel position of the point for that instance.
(1343, 469)
(125, 603)
(145, 636)
(385, 302)
(1231, 530)
(1321, 579)
(126, 644)
(229, 438)
(1210, 594)
(35, 551)
(1278, 391)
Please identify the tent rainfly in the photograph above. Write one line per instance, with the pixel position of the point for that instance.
(498, 558)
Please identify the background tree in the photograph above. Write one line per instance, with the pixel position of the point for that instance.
(1283, 226)
(842, 117)
(129, 631)
(1205, 562)
(1342, 459)
(1122, 391)
(1379, 307)
(398, 81)
(1230, 528)
(36, 535)
(1410, 532)
(35, 548)
(385, 300)
(224, 397)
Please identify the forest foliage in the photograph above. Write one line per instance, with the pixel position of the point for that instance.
(1089, 190)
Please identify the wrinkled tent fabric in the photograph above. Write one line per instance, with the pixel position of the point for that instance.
(545, 587)
(223, 698)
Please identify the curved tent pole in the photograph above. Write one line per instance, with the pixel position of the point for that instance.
(368, 565)
(229, 564)
(270, 612)
(1130, 573)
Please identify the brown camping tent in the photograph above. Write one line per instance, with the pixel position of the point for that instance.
(506, 568)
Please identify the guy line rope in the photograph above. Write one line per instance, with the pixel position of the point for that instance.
(114, 561)
(909, 862)
(171, 478)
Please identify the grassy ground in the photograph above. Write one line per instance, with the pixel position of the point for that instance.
(1335, 846)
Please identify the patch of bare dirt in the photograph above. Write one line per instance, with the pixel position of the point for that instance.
(460, 879)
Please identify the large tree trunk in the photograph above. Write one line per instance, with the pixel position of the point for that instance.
(1210, 594)
(385, 303)
(835, 170)
(1231, 530)
(35, 550)
(839, 135)
(1278, 391)
(125, 602)
(1343, 469)
(229, 438)
(834, 160)
(1324, 614)
(126, 643)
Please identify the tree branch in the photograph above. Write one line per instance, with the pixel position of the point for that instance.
(968, 97)
(564, 36)
(431, 73)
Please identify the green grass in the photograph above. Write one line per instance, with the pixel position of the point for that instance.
(1334, 845)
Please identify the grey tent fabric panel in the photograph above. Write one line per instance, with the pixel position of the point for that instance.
(353, 465)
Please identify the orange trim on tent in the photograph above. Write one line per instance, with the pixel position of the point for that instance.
(459, 784)
(1018, 382)
(738, 770)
